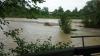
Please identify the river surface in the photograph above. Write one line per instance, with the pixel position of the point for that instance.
(34, 29)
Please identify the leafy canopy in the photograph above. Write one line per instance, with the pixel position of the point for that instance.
(8, 4)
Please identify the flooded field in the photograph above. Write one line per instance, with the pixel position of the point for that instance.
(34, 29)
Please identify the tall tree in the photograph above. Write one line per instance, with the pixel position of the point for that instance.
(68, 13)
(45, 11)
(60, 11)
(75, 13)
(92, 11)
(75, 10)
(54, 13)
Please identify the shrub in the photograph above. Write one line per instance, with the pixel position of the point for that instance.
(64, 24)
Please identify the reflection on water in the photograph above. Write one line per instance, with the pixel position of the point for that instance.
(33, 31)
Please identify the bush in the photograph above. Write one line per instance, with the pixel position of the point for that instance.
(64, 24)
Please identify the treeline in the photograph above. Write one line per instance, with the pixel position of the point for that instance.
(58, 12)
(40, 13)
(69, 14)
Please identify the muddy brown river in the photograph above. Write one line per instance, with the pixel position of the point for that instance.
(34, 29)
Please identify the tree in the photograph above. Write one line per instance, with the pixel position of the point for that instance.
(68, 13)
(60, 11)
(91, 12)
(55, 13)
(4, 5)
(45, 11)
(75, 10)
(64, 24)
(75, 13)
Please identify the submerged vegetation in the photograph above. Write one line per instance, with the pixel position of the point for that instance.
(64, 24)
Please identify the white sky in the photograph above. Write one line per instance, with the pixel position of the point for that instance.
(65, 4)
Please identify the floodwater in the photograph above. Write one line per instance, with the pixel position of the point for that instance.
(34, 29)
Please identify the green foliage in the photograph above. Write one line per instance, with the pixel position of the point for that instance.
(8, 7)
(2, 51)
(43, 13)
(57, 12)
(3, 22)
(91, 13)
(75, 14)
(64, 24)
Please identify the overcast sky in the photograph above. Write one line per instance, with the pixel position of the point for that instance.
(65, 4)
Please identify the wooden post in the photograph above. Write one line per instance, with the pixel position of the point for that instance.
(83, 42)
